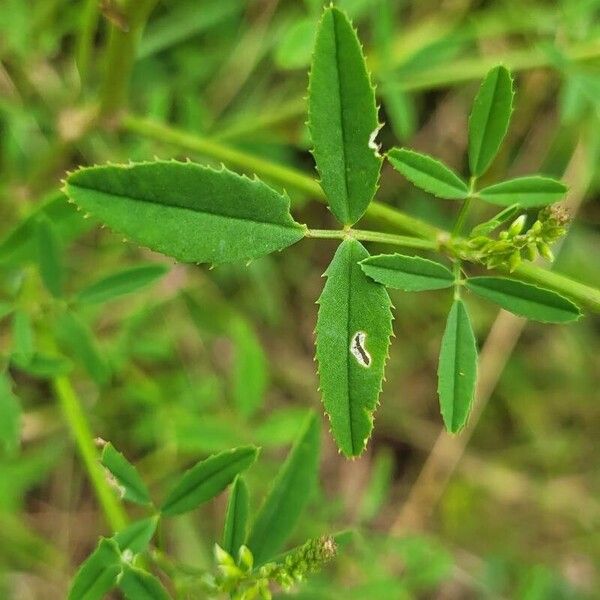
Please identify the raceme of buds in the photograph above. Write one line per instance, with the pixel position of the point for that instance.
(513, 244)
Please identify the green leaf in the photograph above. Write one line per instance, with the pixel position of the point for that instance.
(22, 336)
(296, 44)
(43, 365)
(207, 479)
(488, 226)
(526, 191)
(137, 584)
(127, 479)
(408, 273)
(342, 118)
(250, 375)
(457, 369)
(489, 119)
(236, 518)
(288, 496)
(79, 341)
(428, 173)
(123, 282)
(10, 416)
(353, 332)
(193, 213)
(525, 299)
(137, 536)
(98, 574)
(49, 256)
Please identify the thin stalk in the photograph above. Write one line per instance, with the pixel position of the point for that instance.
(464, 209)
(372, 236)
(120, 56)
(85, 41)
(82, 436)
(292, 178)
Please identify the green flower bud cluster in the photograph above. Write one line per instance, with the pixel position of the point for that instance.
(307, 559)
(515, 243)
(241, 581)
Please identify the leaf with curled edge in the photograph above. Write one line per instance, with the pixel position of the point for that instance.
(342, 119)
(184, 210)
(353, 332)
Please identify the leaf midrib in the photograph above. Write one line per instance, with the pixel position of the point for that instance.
(292, 225)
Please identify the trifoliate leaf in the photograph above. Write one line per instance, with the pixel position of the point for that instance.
(525, 299)
(408, 273)
(342, 118)
(428, 173)
(353, 331)
(489, 119)
(184, 210)
(457, 369)
(525, 191)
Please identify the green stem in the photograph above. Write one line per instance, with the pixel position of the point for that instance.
(373, 236)
(120, 58)
(292, 178)
(82, 436)
(85, 41)
(464, 209)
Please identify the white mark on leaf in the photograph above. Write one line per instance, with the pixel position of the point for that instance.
(372, 143)
(359, 350)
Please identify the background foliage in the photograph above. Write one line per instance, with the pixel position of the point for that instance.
(197, 361)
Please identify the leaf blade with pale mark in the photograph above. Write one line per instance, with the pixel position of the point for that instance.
(193, 213)
(489, 119)
(525, 299)
(130, 484)
(428, 173)
(137, 584)
(457, 371)
(350, 305)
(342, 119)
(528, 192)
(407, 273)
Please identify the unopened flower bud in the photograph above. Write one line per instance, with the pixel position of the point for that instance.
(517, 226)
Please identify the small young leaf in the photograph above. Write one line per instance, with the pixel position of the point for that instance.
(342, 118)
(488, 226)
(250, 374)
(489, 119)
(236, 518)
(137, 584)
(98, 574)
(10, 416)
(49, 256)
(526, 191)
(288, 496)
(408, 273)
(428, 173)
(127, 479)
(457, 369)
(207, 479)
(353, 330)
(78, 340)
(43, 365)
(123, 282)
(184, 210)
(525, 299)
(22, 334)
(137, 536)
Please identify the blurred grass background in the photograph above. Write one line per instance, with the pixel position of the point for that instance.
(209, 359)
